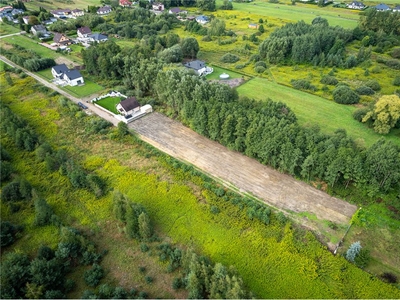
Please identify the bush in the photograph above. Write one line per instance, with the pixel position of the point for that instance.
(206, 38)
(259, 69)
(373, 84)
(396, 81)
(44, 212)
(302, 84)
(362, 259)
(94, 275)
(329, 80)
(395, 53)
(240, 66)
(393, 64)
(360, 113)
(345, 95)
(389, 277)
(149, 279)
(365, 90)
(230, 58)
(144, 247)
(6, 170)
(260, 64)
(177, 283)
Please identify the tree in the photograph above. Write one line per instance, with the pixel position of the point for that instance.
(353, 251)
(190, 47)
(261, 28)
(217, 27)
(345, 95)
(171, 55)
(44, 212)
(7, 233)
(145, 229)
(385, 114)
(94, 275)
(123, 129)
(14, 275)
(172, 39)
(227, 5)
(206, 5)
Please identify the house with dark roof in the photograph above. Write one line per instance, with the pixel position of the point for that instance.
(396, 9)
(61, 40)
(104, 10)
(128, 106)
(197, 65)
(356, 5)
(61, 13)
(71, 77)
(84, 32)
(97, 37)
(39, 30)
(176, 11)
(382, 7)
(202, 19)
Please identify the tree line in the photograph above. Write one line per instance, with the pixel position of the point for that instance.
(269, 132)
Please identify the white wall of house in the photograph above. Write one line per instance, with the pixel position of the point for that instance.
(74, 82)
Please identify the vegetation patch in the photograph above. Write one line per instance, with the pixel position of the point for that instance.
(110, 103)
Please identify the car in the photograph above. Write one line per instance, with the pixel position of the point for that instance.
(83, 106)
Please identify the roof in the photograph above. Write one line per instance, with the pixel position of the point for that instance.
(39, 28)
(104, 9)
(73, 74)
(202, 18)
(84, 30)
(60, 11)
(382, 6)
(397, 7)
(125, 2)
(77, 10)
(129, 103)
(60, 68)
(6, 8)
(175, 10)
(357, 3)
(58, 37)
(196, 65)
(98, 37)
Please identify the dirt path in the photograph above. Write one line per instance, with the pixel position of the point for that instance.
(276, 189)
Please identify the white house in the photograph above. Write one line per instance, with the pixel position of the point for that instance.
(70, 77)
(77, 12)
(128, 106)
(97, 37)
(197, 65)
(202, 19)
(158, 6)
(356, 5)
(84, 32)
(38, 30)
(382, 7)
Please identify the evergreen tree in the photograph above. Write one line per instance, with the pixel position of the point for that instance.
(353, 251)
(145, 229)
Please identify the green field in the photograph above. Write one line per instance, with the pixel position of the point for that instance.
(306, 12)
(110, 103)
(311, 109)
(8, 29)
(275, 260)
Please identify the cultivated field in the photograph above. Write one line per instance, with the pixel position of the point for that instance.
(244, 173)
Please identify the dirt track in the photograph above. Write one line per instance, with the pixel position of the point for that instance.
(279, 190)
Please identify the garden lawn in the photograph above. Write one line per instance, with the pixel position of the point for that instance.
(311, 109)
(8, 29)
(110, 104)
(218, 71)
(89, 88)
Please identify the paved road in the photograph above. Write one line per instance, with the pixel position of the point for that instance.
(51, 85)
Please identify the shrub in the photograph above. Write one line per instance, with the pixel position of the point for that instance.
(240, 66)
(395, 53)
(360, 113)
(177, 283)
(206, 38)
(329, 80)
(214, 209)
(6, 170)
(365, 90)
(373, 84)
(259, 69)
(353, 251)
(396, 81)
(344, 95)
(149, 279)
(230, 58)
(302, 84)
(362, 259)
(144, 247)
(389, 277)
(44, 212)
(94, 275)
(260, 64)
(376, 70)
(393, 64)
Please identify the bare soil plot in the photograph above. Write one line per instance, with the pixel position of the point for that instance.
(246, 174)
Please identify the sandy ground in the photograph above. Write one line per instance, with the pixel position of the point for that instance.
(248, 175)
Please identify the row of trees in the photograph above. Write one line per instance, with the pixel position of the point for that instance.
(303, 43)
(269, 132)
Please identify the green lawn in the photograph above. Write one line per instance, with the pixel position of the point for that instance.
(8, 29)
(313, 109)
(85, 90)
(218, 71)
(307, 12)
(110, 104)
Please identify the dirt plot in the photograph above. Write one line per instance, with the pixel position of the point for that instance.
(276, 189)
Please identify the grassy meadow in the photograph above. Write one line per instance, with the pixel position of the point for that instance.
(312, 109)
(8, 29)
(292, 261)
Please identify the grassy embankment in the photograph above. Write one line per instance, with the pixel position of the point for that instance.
(276, 261)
